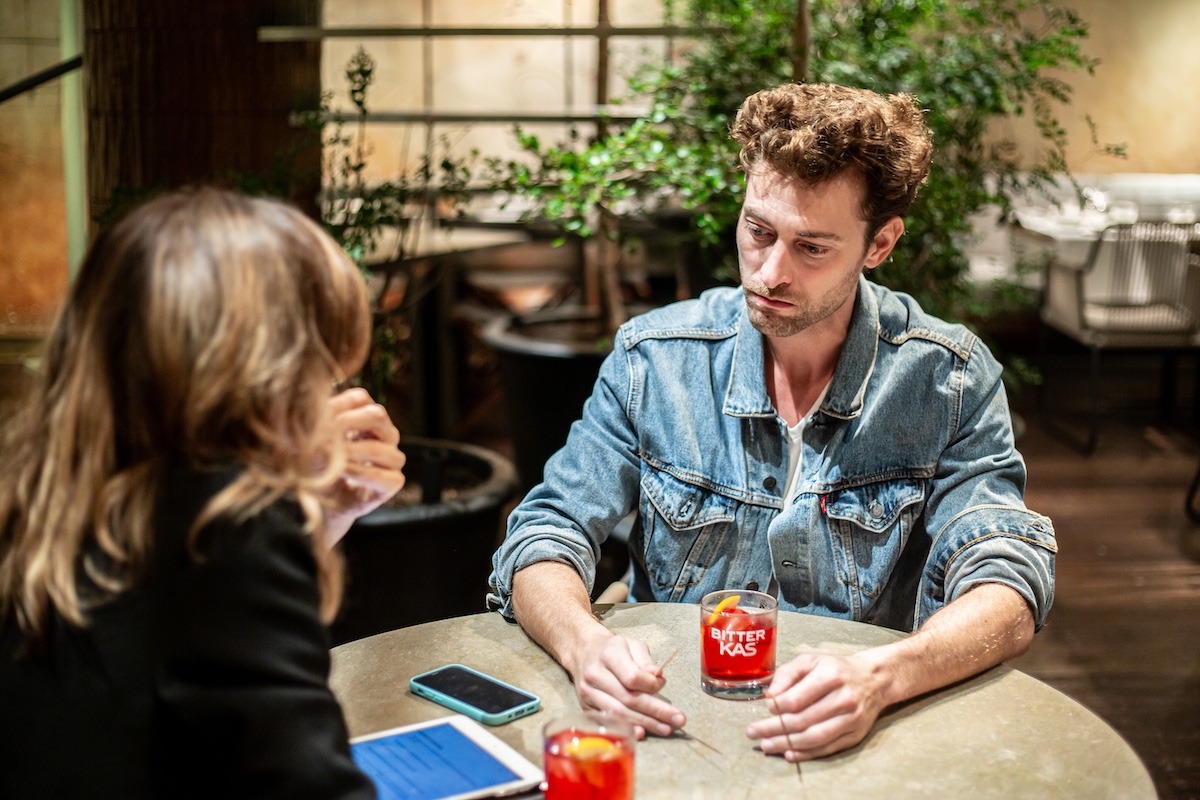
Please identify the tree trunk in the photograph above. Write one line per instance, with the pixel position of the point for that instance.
(608, 256)
(801, 41)
(180, 91)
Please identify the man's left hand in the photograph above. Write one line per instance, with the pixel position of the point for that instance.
(822, 704)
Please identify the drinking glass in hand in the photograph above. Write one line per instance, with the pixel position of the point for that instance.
(737, 643)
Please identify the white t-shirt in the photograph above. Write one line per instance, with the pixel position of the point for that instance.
(792, 485)
(795, 433)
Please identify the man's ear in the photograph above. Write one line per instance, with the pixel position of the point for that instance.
(884, 241)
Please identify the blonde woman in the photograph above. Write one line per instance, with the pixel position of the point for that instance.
(169, 494)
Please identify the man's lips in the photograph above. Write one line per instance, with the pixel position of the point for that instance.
(766, 302)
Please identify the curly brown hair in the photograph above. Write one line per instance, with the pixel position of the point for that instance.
(815, 132)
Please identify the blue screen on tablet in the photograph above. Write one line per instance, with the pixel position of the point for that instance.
(428, 763)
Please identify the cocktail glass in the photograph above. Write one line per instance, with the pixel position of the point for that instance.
(588, 757)
(737, 643)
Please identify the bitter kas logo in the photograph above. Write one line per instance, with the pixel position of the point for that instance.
(738, 643)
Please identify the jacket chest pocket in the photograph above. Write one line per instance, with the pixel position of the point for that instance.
(870, 526)
(683, 526)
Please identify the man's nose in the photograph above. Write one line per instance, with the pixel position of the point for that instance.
(775, 270)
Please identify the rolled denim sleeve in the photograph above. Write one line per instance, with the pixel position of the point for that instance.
(982, 531)
(588, 486)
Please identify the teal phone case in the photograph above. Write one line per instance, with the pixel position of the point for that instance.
(418, 688)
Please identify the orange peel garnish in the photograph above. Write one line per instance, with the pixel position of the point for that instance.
(591, 748)
(727, 603)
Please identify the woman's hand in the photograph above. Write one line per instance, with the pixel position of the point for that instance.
(373, 460)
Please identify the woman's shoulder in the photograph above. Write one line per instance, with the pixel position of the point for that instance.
(184, 493)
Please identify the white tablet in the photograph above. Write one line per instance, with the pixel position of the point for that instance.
(452, 758)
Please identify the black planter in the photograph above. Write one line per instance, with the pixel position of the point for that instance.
(547, 372)
(430, 560)
(548, 366)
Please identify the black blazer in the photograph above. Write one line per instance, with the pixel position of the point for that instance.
(208, 679)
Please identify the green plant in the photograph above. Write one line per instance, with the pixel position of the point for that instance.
(592, 188)
(360, 215)
(969, 62)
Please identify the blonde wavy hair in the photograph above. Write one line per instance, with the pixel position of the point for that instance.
(207, 328)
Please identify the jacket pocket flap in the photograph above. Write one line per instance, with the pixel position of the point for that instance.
(876, 506)
(684, 505)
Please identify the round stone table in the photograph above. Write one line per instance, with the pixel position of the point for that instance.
(1001, 734)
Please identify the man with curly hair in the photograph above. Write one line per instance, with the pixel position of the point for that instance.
(811, 434)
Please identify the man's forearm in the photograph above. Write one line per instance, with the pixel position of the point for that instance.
(988, 625)
(551, 602)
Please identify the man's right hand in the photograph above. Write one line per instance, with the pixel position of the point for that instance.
(617, 675)
(612, 673)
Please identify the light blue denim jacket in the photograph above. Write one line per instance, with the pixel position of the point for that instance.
(910, 488)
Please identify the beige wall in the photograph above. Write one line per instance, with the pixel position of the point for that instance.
(1144, 91)
(479, 74)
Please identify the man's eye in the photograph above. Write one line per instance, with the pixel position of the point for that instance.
(813, 250)
(755, 230)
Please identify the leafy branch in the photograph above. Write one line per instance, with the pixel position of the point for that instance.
(358, 213)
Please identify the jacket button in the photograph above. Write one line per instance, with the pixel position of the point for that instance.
(875, 509)
(752, 586)
(769, 482)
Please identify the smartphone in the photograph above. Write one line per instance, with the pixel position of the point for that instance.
(478, 696)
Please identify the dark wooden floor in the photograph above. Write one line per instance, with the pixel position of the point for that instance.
(1123, 637)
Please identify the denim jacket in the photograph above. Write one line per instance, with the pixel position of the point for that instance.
(910, 489)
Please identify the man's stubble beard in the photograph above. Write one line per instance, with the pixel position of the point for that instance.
(806, 314)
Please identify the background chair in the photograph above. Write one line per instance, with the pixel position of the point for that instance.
(1138, 289)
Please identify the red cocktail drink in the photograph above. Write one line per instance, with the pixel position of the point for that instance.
(737, 643)
(588, 759)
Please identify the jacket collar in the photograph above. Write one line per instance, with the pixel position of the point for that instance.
(746, 395)
(857, 361)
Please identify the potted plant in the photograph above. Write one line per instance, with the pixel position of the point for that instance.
(425, 554)
(379, 223)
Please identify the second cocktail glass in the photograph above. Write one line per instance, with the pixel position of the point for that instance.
(588, 756)
(737, 643)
